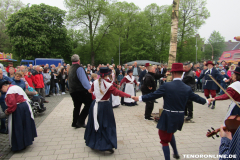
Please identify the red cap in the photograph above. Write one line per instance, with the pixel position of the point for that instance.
(177, 67)
(147, 64)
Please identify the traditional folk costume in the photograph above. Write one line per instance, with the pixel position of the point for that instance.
(129, 89)
(21, 125)
(100, 133)
(209, 86)
(234, 91)
(114, 99)
(175, 95)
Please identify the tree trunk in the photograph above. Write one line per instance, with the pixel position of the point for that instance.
(173, 39)
(91, 40)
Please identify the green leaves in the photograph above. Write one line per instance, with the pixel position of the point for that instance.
(218, 45)
(38, 32)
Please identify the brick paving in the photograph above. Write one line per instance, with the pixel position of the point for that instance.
(137, 138)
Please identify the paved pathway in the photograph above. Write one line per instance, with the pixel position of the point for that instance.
(137, 138)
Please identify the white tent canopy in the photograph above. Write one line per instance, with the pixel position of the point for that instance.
(143, 62)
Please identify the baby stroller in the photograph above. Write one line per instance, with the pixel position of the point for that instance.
(37, 105)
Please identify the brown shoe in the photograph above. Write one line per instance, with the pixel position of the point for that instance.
(45, 101)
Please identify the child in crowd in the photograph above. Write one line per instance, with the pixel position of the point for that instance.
(93, 78)
(89, 75)
(223, 84)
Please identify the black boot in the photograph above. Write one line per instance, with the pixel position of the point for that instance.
(176, 156)
(213, 105)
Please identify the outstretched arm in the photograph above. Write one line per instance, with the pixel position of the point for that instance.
(116, 92)
(196, 98)
(152, 96)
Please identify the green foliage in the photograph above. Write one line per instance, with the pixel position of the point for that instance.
(38, 32)
(143, 34)
(192, 15)
(7, 7)
(218, 45)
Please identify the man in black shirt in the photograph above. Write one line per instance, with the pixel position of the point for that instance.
(149, 86)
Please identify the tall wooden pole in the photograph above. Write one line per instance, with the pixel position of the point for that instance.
(173, 39)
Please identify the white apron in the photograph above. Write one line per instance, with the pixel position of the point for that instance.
(115, 99)
(129, 89)
(12, 90)
(99, 96)
(236, 87)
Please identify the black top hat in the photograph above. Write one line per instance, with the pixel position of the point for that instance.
(3, 82)
(104, 71)
(237, 70)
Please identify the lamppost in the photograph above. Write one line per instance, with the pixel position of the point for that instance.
(197, 35)
(212, 49)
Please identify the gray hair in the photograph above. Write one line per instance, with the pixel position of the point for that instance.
(75, 58)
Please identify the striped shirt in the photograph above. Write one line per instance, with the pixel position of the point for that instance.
(231, 147)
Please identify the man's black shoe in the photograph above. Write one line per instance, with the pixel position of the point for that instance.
(80, 125)
(188, 118)
(176, 156)
(213, 107)
(155, 101)
(111, 150)
(4, 131)
(150, 119)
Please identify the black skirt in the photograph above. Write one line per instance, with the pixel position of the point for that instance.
(105, 137)
(23, 128)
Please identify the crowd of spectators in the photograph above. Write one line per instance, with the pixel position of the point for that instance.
(38, 82)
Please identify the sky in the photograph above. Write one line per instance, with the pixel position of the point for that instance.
(224, 15)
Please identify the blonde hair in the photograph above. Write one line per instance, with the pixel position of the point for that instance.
(99, 82)
(110, 77)
(93, 75)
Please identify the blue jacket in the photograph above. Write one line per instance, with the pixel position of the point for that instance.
(175, 95)
(209, 83)
(119, 78)
(5, 78)
(19, 83)
(224, 76)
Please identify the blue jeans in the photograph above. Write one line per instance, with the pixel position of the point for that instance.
(3, 121)
(47, 89)
(53, 89)
(224, 87)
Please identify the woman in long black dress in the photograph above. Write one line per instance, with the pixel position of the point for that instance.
(21, 125)
(100, 132)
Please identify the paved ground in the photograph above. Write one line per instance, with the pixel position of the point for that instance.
(137, 138)
(4, 143)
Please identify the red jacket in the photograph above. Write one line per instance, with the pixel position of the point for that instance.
(29, 80)
(198, 73)
(7, 69)
(38, 80)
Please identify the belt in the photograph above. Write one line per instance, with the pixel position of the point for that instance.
(174, 111)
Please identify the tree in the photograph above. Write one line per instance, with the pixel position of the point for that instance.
(38, 31)
(90, 14)
(7, 7)
(192, 15)
(218, 45)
